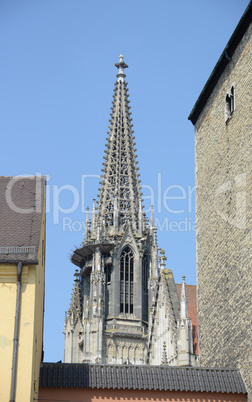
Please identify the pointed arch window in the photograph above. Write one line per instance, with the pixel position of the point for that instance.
(145, 278)
(126, 280)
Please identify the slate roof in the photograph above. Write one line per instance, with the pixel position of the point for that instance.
(21, 209)
(58, 375)
(222, 63)
(191, 291)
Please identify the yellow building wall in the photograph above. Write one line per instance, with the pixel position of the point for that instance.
(30, 328)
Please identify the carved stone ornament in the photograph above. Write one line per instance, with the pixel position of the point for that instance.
(96, 277)
(128, 239)
(153, 283)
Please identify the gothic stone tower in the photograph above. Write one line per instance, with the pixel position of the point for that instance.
(117, 280)
(109, 307)
(223, 148)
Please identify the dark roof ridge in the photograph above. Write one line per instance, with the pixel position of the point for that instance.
(142, 366)
(221, 64)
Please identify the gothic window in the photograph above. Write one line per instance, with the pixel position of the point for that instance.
(145, 278)
(108, 272)
(229, 104)
(126, 280)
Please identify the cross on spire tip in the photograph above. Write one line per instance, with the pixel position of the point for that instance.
(121, 65)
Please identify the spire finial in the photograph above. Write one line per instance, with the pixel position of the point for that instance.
(152, 217)
(87, 215)
(183, 302)
(183, 290)
(121, 65)
(93, 215)
(162, 259)
(87, 225)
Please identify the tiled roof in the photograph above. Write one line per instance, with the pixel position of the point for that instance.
(191, 291)
(54, 375)
(21, 208)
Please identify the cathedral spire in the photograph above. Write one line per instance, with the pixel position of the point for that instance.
(121, 275)
(120, 186)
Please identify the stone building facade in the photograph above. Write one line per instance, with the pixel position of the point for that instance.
(223, 144)
(123, 311)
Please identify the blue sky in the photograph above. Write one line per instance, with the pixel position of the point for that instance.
(57, 78)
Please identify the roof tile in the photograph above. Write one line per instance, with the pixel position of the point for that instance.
(141, 377)
(21, 208)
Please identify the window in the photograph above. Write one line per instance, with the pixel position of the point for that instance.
(126, 281)
(229, 104)
(145, 278)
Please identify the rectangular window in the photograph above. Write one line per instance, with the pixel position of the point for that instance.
(230, 104)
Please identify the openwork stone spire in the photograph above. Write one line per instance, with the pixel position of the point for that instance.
(120, 197)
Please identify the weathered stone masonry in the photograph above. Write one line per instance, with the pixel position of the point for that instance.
(223, 146)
